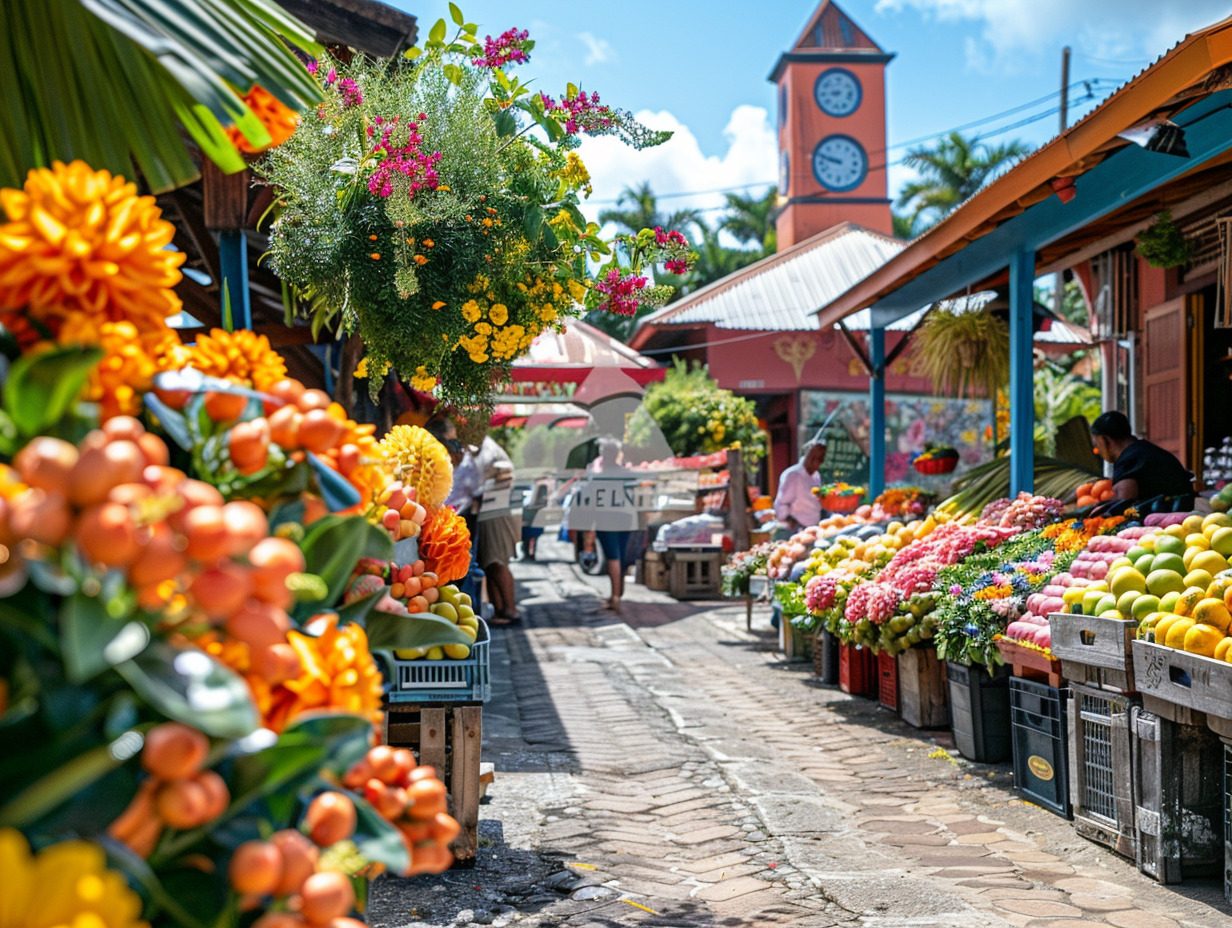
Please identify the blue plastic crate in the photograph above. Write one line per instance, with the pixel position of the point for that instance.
(425, 681)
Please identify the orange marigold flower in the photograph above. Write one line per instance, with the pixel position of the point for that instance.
(80, 239)
(445, 545)
(242, 356)
(280, 120)
(420, 260)
(129, 363)
(419, 461)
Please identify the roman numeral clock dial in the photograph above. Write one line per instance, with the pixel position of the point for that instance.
(840, 163)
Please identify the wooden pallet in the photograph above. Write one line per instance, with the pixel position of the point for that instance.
(1030, 664)
(447, 738)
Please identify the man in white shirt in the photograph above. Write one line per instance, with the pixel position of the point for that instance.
(796, 506)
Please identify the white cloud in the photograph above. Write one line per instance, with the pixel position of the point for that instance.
(598, 51)
(679, 165)
(1132, 31)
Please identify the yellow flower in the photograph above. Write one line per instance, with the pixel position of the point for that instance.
(499, 313)
(422, 381)
(66, 885)
(470, 311)
(483, 328)
(419, 461)
(242, 356)
(79, 239)
(361, 369)
(577, 291)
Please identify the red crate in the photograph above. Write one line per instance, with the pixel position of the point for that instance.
(887, 680)
(857, 671)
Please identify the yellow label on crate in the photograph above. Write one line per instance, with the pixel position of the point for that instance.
(1040, 767)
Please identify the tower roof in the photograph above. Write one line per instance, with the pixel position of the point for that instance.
(831, 35)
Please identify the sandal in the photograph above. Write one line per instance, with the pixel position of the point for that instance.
(505, 621)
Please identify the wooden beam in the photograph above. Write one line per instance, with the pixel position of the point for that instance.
(855, 347)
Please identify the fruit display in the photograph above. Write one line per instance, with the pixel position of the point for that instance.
(1089, 494)
(413, 591)
(936, 460)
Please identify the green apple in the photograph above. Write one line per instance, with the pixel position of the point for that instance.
(1106, 604)
(1161, 581)
(1143, 606)
(1090, 599)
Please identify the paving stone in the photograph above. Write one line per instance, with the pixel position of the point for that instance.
(1087, 885)
(710, 833)
(1072, 923)
(1038, 908)
(730, 889)
(1093, 903)
(1137, 919)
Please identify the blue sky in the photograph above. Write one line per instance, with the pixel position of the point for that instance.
(700, 68)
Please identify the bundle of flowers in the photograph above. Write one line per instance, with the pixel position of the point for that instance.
(1025, 512)
(741, 567)
(431, 204)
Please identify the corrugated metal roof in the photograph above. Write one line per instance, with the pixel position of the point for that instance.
(782, 292)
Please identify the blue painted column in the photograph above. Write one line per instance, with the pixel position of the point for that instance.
(233, 262)
(1022, 373)
(876, 408)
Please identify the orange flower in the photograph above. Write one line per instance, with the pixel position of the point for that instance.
(280, 121)
(79, 239)
(129, 363)
(242, 356)
(419, 461)
(445, 545)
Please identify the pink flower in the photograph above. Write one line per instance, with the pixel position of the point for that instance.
(350, 93)
(621, 292)
(582, 113)
(677, 267)
(406, 159)
(510, 47)
(331, 77)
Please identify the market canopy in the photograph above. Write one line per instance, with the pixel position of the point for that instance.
(557, 363)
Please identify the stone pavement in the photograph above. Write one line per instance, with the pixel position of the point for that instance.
(666, 768)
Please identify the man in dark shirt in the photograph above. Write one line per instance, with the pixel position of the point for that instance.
(1140, 470)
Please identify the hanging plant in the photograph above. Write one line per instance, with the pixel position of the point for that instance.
(1162, 244)
(963, 352)
(431, 204)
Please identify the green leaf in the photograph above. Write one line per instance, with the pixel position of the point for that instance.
(377, 839)
(43, 385)
(454, 73)
(90, 639)
(8, 434)
(59, 786)
(505, 124)
(389, 632)
(532, 223)
(412, 53)
(358, 610)
(335, 544)
(437, 33)
(571, 91)
(122, 858)
(189, 686)
(456, 14)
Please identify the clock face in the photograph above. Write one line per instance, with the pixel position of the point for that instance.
(839, 163)
(784, 174)
(838, 92)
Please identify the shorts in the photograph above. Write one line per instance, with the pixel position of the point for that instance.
(615, 546)
(498, 540)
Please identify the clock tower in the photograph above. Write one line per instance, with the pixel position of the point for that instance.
(831, 129)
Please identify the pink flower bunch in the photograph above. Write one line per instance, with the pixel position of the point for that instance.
(331, 77)
(677, 266)
(350, 93)
(510, 47)
(1027, 512)
(582, 113)
(821, 592)
(673, 237)
(621, 291)
(874, 601)
(406, 159)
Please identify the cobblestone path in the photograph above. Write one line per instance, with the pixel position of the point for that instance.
(665, 767)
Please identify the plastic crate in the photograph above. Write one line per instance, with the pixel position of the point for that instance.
(1227, 821)
(825, 658)
(1041, 749)
(425, 681)
(887, 680)
(857, 670)
(1178, 798)
(980, 710)
(1101, 767)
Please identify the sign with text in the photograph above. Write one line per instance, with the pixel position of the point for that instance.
(605, 503)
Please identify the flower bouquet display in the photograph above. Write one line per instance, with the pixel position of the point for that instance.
(431, 204)
(742, 566)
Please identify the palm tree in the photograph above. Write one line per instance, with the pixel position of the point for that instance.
(950, 173)
(119, 84)
(637, 208)
(750, 220)
(716, 260)
(906, 225)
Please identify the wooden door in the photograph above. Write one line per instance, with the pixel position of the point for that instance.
(1165, 377)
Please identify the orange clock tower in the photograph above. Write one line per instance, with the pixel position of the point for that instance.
(831, 129)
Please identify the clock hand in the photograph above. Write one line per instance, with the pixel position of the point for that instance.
(832, 159)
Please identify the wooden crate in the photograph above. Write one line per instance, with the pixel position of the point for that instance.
(654, 571)
(923, 696)
(1094, 651)
(1178, 798)
(1202, 684)
(1030, 664)
(694, 572)
(1101, 777)
(449, 739)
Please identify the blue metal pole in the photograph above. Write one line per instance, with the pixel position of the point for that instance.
(1022, 374)
(233, 263)
(877, 417)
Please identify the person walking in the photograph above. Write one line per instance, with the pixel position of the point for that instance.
(499, 531)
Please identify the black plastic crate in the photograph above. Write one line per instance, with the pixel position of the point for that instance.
(1041, 766)
(1101, 767)
(825, 658)
(980, 709)
(1178, 798)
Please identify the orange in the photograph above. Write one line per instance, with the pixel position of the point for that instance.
(248, 445)
(173, 751)
(41, 516)
(299, 860)
(159, 558)
(273, 560)
(205, 533)
(222, 590)
(46, 463)
(98, 469)
(331, 818)
(259, 625)
(1213, 612)
(275, 664)
(284, 427)
(225, 407)
(246, 524)
(106, 535)
(313, 399)
(216, 791)
(1175, 637)
(325, 896)
(182, 804)
(1203, 639)
(319, 431)
(283, 392)
(154, 449)
(255, 868)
